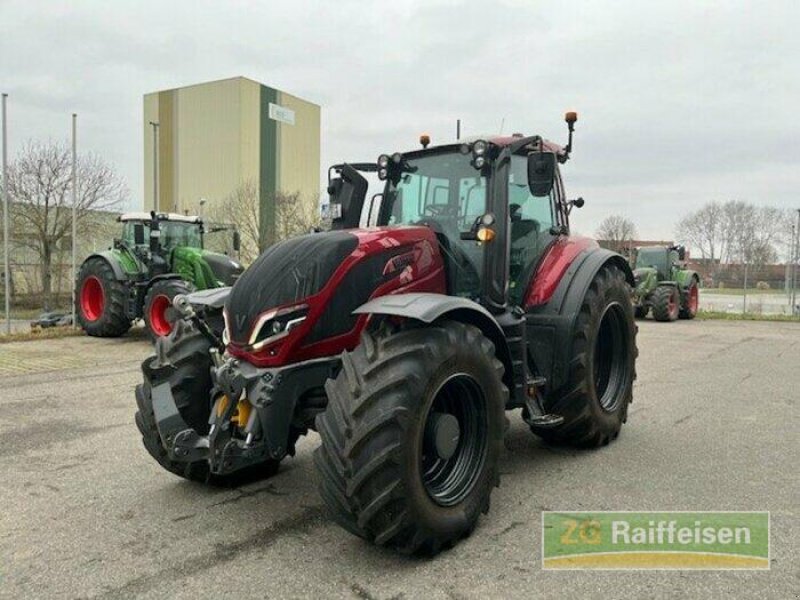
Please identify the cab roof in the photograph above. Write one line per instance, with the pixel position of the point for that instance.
(500, 140)
(145, 216)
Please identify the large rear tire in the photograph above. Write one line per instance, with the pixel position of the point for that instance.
(101, 300)
(412, 435)
(666, 303)
(691, 301)
(188, 350)
(602, 367)
(157, 303)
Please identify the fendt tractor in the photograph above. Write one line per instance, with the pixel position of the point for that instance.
(403, 343)
(157, 257)
(663, 284)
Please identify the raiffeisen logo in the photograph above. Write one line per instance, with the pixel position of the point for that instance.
(677, 540)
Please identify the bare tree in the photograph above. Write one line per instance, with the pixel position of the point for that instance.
(618, 231)
(294, 215)
(702, 230)
(735, 232)
(39, 186)
(242, 208)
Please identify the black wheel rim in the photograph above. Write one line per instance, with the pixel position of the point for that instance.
(449, 480)
(611, 358)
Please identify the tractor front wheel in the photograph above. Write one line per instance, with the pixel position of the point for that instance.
(188, 350)
(158, 301)
(412, 435)
(101, 300)
(602, 367)
(666, 303)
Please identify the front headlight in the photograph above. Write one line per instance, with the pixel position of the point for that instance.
(275, 324)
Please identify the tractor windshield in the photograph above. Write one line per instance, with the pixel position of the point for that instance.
(445, 192)
(173, 234)
(176, 233)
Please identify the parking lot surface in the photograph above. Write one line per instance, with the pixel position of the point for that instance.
(86, 513)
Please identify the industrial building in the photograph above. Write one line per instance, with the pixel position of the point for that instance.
(202, 142)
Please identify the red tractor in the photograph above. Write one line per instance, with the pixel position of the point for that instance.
(403, 344)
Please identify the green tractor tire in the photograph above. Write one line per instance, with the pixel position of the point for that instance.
(157, 303)
(666, 302)
(101, 300)
(690, 301)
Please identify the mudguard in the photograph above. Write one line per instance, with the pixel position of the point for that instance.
(112, 258)
(429, 307)
(213, 298)
(550, 325)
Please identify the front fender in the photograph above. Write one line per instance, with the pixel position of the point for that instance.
(429, 307)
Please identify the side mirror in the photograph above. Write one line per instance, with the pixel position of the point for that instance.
(541, 172)
(237, 241)
(681, 253)
(138, 234)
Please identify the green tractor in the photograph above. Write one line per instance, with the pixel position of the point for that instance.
(157, 257)
(663, 284)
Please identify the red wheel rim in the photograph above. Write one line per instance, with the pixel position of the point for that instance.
(93, 298)
(158, 315)
(672, 306)
(694, 299)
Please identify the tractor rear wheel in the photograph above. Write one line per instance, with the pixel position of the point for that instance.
(188, 350)
(666, 303)
(158, 301)
(412, 435)
(602, 367)
(101, 300)
(691, 301)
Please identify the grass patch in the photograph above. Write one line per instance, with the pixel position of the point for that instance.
(749, 316)
(50, 333)
(740, 291)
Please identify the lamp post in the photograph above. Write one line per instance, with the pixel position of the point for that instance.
(74, 213)
(155, 165)
(795, 257)
(6, 269)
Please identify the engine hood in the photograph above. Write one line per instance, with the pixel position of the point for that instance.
(307, 288)
(286, 272)
(225, 269)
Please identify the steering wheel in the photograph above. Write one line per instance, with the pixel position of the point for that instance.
(439, 210)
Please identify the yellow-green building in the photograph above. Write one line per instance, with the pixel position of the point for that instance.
(214, 137)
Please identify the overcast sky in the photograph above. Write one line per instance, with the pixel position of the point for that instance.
(680, 102)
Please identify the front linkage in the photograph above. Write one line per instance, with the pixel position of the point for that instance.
(253, 409)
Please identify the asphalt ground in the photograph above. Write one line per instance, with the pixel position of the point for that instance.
(87, 514)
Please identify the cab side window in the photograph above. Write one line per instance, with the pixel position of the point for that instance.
(531, 220)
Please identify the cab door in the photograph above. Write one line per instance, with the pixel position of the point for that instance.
(535, 223)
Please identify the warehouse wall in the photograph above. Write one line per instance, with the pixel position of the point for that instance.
(215, 136)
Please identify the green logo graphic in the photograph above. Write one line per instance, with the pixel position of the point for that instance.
(655, 540)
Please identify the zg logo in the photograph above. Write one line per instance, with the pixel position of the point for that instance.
(586, 531)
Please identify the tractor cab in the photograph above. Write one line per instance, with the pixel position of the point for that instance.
(662, 259)
(174, 230)
(495, 203)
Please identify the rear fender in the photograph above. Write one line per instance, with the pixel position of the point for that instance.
(685, 277)
(550, 325)
(428, 308)
(112, 257)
